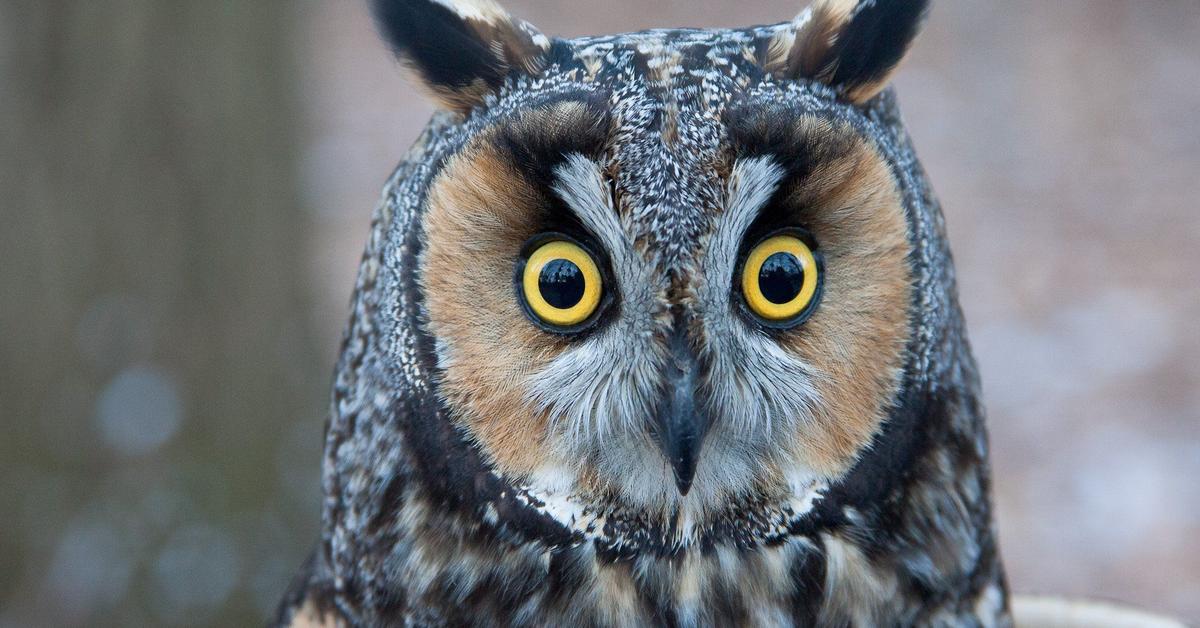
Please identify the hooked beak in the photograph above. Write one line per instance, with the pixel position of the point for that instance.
(680, 426)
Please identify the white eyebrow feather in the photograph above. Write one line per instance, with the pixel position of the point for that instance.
(580, 184)
(751, 185)
(605, 383)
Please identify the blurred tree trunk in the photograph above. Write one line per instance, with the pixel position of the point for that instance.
(149, 220)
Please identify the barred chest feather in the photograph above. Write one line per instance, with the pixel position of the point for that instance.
(935, 569)
(923, 555)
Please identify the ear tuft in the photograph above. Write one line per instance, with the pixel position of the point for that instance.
(854, 45)
(461, 49)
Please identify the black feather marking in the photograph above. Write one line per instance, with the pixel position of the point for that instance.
(566, 574)
(438, 43)
(917, 421)
(540, 140)
(543, 138)
(808, 585)
(776, 131)
(875, 40)
(312, 585)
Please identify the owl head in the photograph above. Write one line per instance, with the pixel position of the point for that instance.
(651, 282)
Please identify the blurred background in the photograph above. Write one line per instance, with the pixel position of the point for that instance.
(185, 188)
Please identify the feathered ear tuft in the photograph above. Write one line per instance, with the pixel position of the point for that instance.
(853, 45)
(461, 49)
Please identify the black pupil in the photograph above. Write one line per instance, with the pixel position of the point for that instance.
(780, 278)
(561, 283)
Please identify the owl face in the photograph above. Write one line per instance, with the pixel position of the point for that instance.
(667, 273)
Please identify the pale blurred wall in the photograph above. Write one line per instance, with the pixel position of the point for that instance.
(159, 383)
(1064, 141)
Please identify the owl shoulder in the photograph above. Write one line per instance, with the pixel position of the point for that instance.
(309, 600)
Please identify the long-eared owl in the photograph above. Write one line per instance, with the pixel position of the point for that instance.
(656, 329)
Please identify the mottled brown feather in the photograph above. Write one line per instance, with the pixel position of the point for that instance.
(481, 212)
(810, 55)
(856, 337)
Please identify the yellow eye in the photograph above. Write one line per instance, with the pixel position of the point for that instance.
(781, 279)
(561, 283)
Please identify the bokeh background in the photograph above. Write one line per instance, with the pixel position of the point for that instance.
(185, 188)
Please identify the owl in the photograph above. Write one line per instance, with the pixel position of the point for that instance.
(656, 329)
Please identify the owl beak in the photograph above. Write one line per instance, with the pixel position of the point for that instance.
(680, 425)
